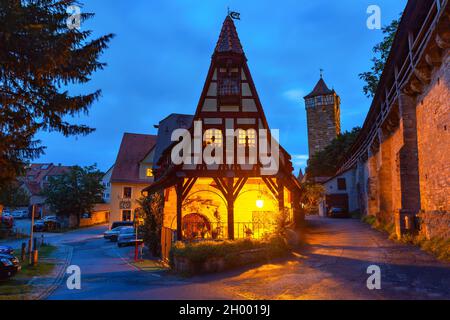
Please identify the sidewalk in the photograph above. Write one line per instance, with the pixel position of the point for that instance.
(43, 286)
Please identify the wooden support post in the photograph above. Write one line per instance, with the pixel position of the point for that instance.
(280, 192)
(179, 191)
(230, 207)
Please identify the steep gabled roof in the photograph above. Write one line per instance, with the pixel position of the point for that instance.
(132, 150)
(228, 38)
(165, 128)
(320, 89)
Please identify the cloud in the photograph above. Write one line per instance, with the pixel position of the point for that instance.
(300, 159)
(295, 95)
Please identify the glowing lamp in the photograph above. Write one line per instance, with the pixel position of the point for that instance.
(260, 203)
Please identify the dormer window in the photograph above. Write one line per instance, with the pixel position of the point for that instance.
(149, 172)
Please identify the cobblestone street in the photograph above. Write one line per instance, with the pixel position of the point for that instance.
(334, 264)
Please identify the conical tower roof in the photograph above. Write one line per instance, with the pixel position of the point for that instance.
(320, 89)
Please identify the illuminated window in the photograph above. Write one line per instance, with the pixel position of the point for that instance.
(149, 172)
(247, 135)
(213, 136)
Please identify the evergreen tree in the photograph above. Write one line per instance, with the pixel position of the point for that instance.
(12, 196)
(39, 58)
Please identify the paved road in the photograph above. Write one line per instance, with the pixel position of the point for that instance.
(332, 266)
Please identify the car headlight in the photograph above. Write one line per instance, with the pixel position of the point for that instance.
(6, 262)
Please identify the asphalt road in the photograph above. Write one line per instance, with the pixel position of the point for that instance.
(333, 265)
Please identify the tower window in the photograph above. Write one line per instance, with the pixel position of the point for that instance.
(319, 100)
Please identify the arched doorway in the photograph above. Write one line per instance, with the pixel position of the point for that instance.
(196, 226)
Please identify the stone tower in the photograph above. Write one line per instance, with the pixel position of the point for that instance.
(323, 117)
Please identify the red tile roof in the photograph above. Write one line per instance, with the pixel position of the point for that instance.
(133, 149)
(36, 173)
(33, 188)
(229, 39)
(320, 89)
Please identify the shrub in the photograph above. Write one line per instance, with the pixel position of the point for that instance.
(233, 253)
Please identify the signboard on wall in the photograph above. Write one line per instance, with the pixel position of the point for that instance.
(125, 205)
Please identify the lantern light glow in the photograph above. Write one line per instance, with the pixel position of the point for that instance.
(260, 203)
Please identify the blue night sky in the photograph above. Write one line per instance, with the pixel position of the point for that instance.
(157, 65)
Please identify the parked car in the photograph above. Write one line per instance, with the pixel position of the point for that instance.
(113, 234)
(122, 224)
(39, 226)
(127, 237)
(6, 250)
(7, 221)
(50, 218)
(338, 212)
(48, 223)
(86, 215)
(9, 266)
(20, 214)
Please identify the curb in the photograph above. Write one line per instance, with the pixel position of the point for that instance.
(127, 261)
(59, 277)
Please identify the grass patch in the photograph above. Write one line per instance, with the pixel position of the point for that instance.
(438, 247)
(18, 288)
(388, 228)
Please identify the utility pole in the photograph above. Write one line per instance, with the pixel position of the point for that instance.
(30, 242)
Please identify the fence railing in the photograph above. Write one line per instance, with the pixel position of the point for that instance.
(194, 231)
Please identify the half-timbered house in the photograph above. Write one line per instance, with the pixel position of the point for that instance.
(249, 187)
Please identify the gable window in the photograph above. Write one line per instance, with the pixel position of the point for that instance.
(213, 136)
(127, 192)
(229, 86)
(149, 172)
(247, 137)
(342, 184)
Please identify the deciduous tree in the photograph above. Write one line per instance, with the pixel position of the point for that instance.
(381, 52)
(75, 192)
(325, 163)
(153, 208)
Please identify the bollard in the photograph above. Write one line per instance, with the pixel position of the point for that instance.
(35, 257)
(24, 251)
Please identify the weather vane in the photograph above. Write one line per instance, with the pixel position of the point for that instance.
(321, 73)
(234, 15)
